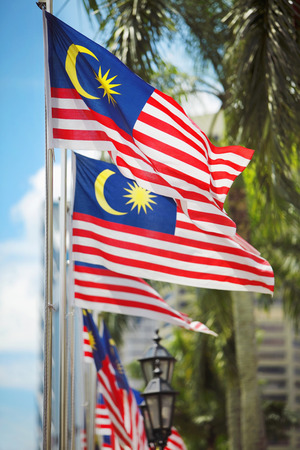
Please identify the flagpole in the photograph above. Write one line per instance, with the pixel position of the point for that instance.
(72, 378)
(63, 306)
(48, 294)
(92, 406)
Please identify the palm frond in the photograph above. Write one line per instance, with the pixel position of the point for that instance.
(263, 63)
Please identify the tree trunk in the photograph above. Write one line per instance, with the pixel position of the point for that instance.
(233, 413)
(252, 422)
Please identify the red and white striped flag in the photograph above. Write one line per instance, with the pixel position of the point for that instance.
(87, 349)
(125, 417)
(175, 441)
(83, 440)
(103, 425)
(96, 103)
(131, 231)
(99, 289)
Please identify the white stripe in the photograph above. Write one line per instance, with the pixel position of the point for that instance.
(102, 421)
(68, 103)
(87, 347)
(77, 125)
(82, 145)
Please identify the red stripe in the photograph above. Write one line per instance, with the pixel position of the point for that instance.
(72, 114)
(64, 93)
(246, 153)
(79, 135)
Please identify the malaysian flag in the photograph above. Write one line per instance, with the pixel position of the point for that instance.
(103, 425)
(131, 231)
(103, 428)
(125, 416)
(87, 349)
(100, 289)
(96, 103)
(175, 441)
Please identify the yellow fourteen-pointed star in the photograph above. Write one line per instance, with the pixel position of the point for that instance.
(140, 197)
(107, 86)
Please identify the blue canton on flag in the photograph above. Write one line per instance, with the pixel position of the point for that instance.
(101, 191)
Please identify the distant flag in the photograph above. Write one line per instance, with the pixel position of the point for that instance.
(125, 416)
(103, 425)
(100, 289)
(175, 441)
(131, 231)
(87, 349)
(96, 103)
(83, 439)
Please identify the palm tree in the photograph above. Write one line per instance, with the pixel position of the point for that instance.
(262, 113)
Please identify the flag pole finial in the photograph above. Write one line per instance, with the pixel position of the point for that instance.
(41, 5)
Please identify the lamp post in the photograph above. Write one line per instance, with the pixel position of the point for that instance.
(159, 397)
(166, 360)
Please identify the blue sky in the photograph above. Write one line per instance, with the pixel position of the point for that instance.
(22, 157)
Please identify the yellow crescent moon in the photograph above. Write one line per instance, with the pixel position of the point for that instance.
(99, 192)
(70, 66)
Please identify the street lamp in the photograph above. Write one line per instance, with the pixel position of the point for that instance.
(166, 360)
(159, 397)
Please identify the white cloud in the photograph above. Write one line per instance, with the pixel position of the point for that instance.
(21, 269)
(201, 103)
(21, 286)
(21, 273)
(19, 370)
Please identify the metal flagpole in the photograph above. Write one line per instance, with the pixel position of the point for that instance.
(72, 378)
(92, 406)
(48, 294)
(63, 306)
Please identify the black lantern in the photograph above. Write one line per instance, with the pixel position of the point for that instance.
(166, 361)
(158, 409)
(147, 423)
